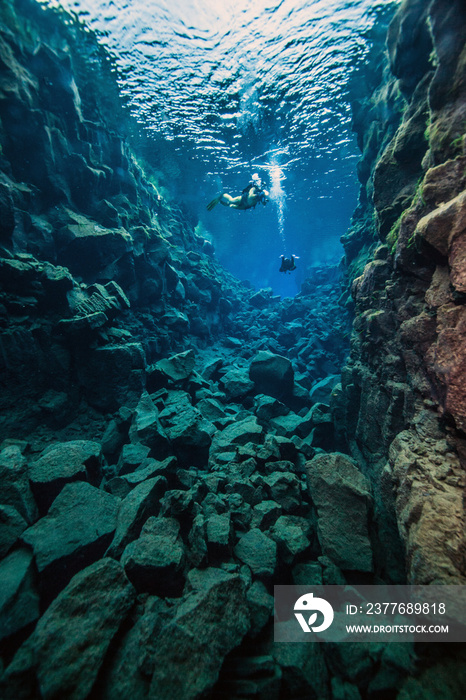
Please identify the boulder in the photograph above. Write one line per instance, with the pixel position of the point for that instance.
(131, 457)
(238, 433)
(147, 429)
(260, 604)
(266, 407)
(62, 463)
(19, 600)
(284, 489)
(197, 541)
(189, 433)
(113, 440)
(141, 503)
(259, 552)
(212, 410)
(154, 562)
(291, 533)
(272, 374)
(12, 524)
(210, 371)
(265, 514)
(16, 490)
(63, 656)
(290, 425)
(304, 671)
(236, 384)
(322, 390)
(262, 298)
(244, 488)
(121, 485)
(218, 536)
(307, 573)
(128, 671)
(206, 626)
(77, 531)
(341, 494)
(178, 367)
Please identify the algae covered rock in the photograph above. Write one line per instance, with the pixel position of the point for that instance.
(238, 433)
(259, 552)
(207, 625)
(77, 460)
(12, 524)
(66, 650)
(272, 374)
(341, 494)
(142, 502)
(154, 562)
(16, 490)
(19, 599)
(77, 531)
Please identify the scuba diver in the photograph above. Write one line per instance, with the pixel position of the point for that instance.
(252, 194)
(288, 263)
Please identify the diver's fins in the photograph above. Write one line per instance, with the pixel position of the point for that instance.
(214, 202)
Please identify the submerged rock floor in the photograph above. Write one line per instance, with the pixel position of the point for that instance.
(178, 513)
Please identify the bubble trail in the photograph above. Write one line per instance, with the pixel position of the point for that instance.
(277, 195)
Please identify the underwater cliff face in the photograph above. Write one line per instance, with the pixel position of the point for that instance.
(175, 443)
(405, 377)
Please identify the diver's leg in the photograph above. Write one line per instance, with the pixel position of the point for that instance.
(228, 201)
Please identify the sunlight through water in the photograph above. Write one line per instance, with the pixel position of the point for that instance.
(225, 88)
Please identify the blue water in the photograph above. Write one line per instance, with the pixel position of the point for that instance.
(225, 88)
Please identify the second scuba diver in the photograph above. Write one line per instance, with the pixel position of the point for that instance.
(288, 263)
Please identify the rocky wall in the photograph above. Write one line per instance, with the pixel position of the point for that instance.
(98, 272)
(404, 384)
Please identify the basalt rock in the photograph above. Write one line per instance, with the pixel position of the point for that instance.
(154, 562)
(19, 599)
(76, 532)
(208, 624)
(341, 495)
(272, 374)
(259, 552)
(111, 304)
(16, 490)
(141, 503)
(406, 365)
(78, 460)
(67, 648)
(11, 527)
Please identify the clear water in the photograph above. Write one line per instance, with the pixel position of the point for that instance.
(226, 88)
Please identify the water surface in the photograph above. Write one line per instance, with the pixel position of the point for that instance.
(231, 87)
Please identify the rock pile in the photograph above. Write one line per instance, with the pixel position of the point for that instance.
(179, 528)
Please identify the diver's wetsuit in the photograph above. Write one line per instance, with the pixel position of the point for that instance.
(254, 191)
(259, 192)
(287, 264)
